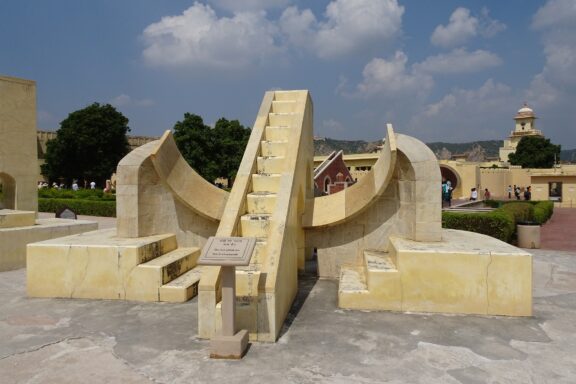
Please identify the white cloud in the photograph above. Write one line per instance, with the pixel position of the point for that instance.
(557, 80)
(462, 26)
(488, 26)
(198, 38)
(391, 78)
(350, 26)
(467, 114)
(481, 100)
(459, 61)
(249, 5)
(124, 100)
(555, 13)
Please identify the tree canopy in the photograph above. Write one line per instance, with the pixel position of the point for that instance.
(535, 152)
(88, 145)
(212, 152)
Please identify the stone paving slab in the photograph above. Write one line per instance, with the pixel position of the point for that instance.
(90, 341)
(559, 233)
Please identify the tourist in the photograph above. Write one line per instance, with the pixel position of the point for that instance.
(473, 194)
(509, 192)
(527, 193)
(75, 185)
(517, 192)
(486, 194)
(92, 185)
(447, 192)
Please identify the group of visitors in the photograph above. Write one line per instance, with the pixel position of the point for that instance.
(520, 191)
(55, 185)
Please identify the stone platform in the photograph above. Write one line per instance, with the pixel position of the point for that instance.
(21, 228)
(464, 273)
(101, 265)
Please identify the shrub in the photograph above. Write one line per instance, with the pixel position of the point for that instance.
(543, 210)
(522, 211)
(83, 194)
(81, 207)
(499, 223)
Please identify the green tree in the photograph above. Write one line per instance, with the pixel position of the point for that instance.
(535, 152)
(231, 139)
(212, 152)
(88, 145)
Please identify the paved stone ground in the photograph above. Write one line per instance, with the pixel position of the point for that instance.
(103, 222)
(88, 341)
(559, 233)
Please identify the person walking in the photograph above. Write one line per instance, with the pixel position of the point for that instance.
(486, 194)
(473, 194)
(509, 192)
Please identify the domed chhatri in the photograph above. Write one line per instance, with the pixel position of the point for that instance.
(525, 112)
(524, 126)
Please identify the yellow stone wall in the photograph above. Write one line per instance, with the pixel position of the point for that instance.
(18, 153)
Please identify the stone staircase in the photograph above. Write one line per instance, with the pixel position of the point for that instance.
(100, 265)
(170, 277)
(368, 286)
(260, 205)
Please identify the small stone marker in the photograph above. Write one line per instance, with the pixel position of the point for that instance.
(228, 252)
(66, 213)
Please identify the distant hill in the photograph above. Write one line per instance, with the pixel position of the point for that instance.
(325, 146)
(473, 151)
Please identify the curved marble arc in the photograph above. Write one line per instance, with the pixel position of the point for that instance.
(339, 207)
(187, 185)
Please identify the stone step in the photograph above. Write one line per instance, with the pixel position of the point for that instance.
(183, 288)
(258, 257)
(247, 282)
(352, 280)
(10, 218)
(261, 202)
(379, 269)
(147, 250)
(273, 148)
(286, 95)
(174, 263)
(255, 225)
(266, 182)
(281, 119)
(278, 133)
(283, 106)
(271, 164)
(146, 279)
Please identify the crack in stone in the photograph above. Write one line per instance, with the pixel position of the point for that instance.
(40, 347)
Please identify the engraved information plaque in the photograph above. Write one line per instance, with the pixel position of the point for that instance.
(227, 251)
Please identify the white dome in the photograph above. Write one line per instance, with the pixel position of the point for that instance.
(525, 109)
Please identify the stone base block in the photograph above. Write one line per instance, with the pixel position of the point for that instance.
(229, 347)
(10, 218)
(13, 240)
(93, 265)
(466, 273)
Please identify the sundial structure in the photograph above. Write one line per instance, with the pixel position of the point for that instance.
(381, 237)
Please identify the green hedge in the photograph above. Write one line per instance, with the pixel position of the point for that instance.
(523, 211)
(543, 211)
(499, 224)
(83, 194)
(81, 207)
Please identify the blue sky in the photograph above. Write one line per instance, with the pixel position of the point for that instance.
(445, 70)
